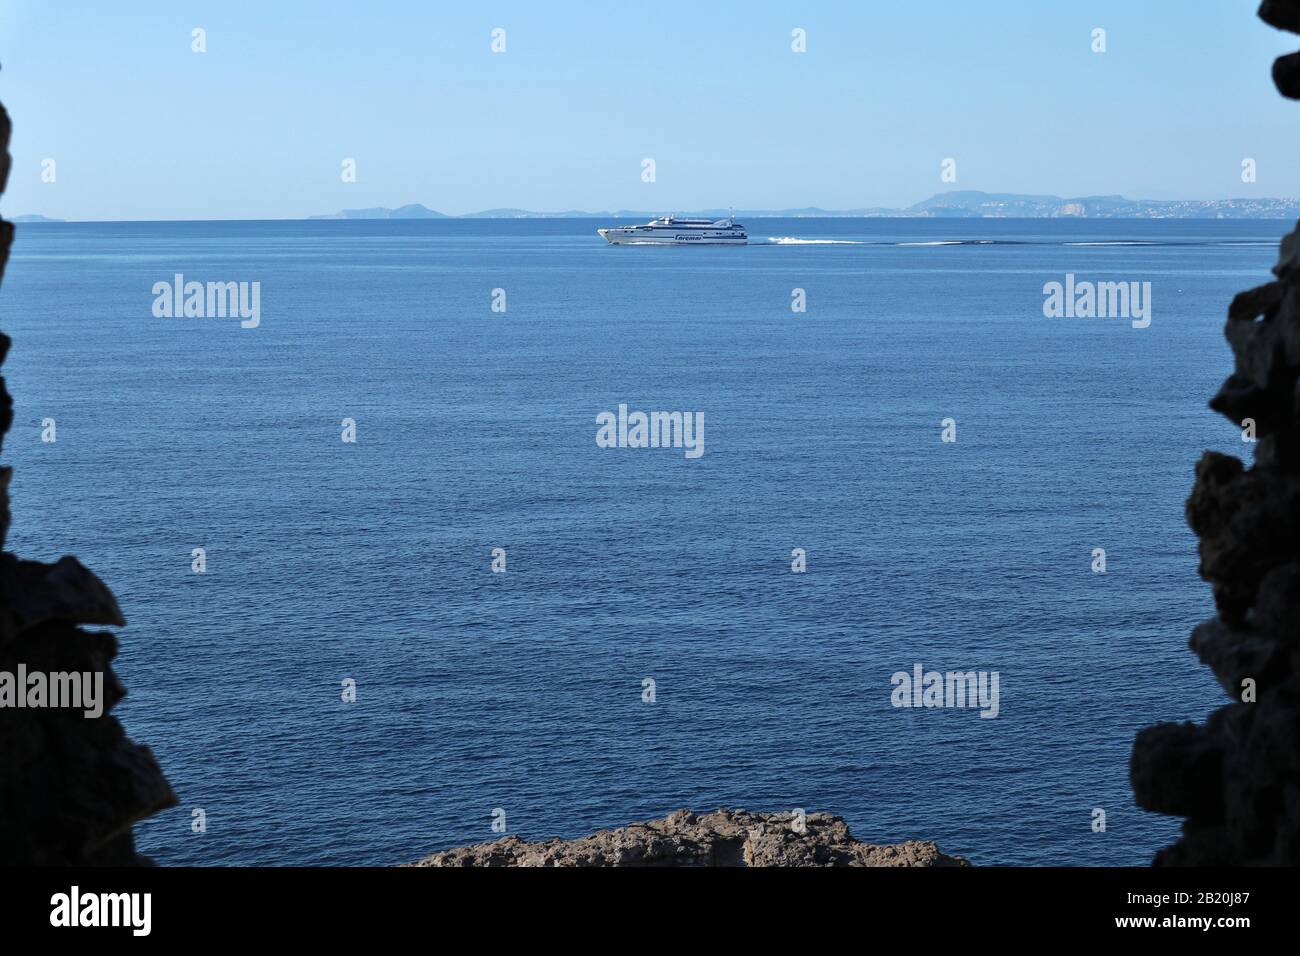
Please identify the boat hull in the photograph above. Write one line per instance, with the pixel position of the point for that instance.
(670, 237)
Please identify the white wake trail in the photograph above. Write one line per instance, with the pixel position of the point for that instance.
(793, 241)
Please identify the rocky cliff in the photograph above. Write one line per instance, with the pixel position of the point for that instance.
(724, 838)
(71, 786)
(1236, 778)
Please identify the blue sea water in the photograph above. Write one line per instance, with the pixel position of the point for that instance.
(476, 430)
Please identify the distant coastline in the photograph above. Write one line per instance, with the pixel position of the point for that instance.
(965, 204)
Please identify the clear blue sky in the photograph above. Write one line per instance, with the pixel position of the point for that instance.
(143, 128)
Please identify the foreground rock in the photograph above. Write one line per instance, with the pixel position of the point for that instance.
(724, 838)
(71, 786)
(1236, 778)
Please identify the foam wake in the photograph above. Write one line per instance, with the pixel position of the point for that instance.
(793, 241)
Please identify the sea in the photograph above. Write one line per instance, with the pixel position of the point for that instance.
(905, 463)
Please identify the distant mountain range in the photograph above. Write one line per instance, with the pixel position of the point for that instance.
(409, 211)
(965, 204)
(974, 204)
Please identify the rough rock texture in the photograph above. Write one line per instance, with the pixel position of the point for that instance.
(71, 786)
(1236, 778)
(724, 838)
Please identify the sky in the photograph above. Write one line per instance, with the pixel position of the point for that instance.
(258, 127)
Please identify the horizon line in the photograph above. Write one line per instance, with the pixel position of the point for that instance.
(50, 221)
(916, 210)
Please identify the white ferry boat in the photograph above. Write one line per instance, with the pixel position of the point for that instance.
(669, 230)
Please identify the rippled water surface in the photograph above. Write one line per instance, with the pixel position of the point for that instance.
(476, 430)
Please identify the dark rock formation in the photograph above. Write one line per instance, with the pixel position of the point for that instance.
(724, 838)
(71, 786)
(1237, 777)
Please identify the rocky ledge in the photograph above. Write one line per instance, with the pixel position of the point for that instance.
(71, 787)
(724, 838)
(1236, 777)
